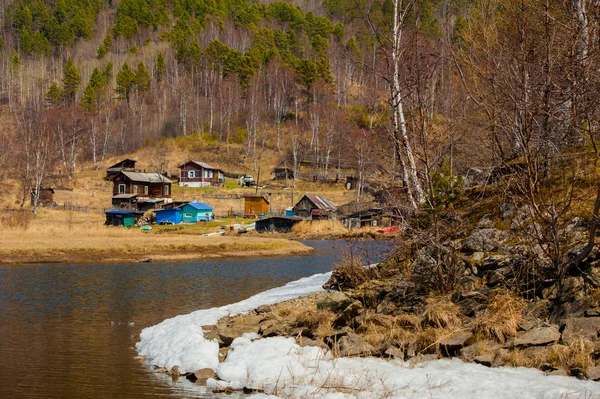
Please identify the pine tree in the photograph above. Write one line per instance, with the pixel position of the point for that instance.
(160, 69)
(93, 91)
(71, 81)
(125, 81)
(54, 94)
(142, 78)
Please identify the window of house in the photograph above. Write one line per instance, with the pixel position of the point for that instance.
(166, 190)
(206, 173)
(121, 189)
(145, 190)
(135, 189)
(187, 215)
(191, 174)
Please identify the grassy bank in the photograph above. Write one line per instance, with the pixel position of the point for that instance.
(58, 237)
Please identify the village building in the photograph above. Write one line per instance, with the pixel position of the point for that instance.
(282, 173)
(124, 165)
(278, 224)
(46, 196)
(122, 217)
(255, 206)
(168, 216)
(196, 212)
(314, 207)
(200, 174)
(142, 191)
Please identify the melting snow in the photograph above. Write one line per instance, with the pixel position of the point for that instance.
(279, 366)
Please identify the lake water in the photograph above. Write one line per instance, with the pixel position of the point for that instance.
(69, 331)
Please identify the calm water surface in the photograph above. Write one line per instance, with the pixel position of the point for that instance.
(69, 331)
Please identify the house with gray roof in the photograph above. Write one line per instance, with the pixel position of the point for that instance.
(141, 191)
(314, 207)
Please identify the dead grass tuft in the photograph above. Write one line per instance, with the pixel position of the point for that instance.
(440, 312)
(501, 318)
(578, 354)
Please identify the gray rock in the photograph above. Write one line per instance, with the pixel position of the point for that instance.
(485, 222)
(303, 341)
(593, 373)
(485, 359)
(469, 353)
(537, 336)
(452, 344)
(395, 353)
(482, 240)
(494, 262)
(335, 301)
(584, 327)
(346, 318)
(558, 372)
(228, 334)
(353, 345)
(500, 276)
(272, 328)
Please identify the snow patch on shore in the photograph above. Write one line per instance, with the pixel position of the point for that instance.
(279, 366)
(179, 341)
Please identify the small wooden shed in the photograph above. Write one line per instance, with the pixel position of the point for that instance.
(255, 205)
(121, 217)
(46, 196)
(279, 224)
(168, 216)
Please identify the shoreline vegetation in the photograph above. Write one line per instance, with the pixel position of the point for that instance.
(69, 237)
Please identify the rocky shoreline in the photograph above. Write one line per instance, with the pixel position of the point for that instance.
(491, 317)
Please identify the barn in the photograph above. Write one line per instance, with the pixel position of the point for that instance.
(315, 207)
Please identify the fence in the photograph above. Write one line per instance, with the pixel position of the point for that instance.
(75, 208)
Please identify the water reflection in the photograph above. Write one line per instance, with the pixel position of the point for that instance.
(68, 331)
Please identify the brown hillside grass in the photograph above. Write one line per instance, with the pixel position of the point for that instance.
(502, 316)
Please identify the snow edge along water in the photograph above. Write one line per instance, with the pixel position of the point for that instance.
(279, 365)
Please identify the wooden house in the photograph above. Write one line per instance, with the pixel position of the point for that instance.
(200, 174)
(46, 196)
(380, 217)
(314, 207)
(255, 205)
(120, 217)
(279, 224)
(282, 173)
(196, 212)
(143, 191)
(126, 165)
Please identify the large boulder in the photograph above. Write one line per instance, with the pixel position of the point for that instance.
(537, 336)
(580, 327)
(485, 240)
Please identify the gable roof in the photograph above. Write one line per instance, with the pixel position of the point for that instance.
(202, 165)
(320, 202)
(118, 164)
(197, 205)
(146, 177)
(258, 196)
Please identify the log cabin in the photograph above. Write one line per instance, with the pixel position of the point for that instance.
(200, 174)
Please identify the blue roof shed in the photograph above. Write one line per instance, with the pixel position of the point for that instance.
(196, 212)
(168, 216)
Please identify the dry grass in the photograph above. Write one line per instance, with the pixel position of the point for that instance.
(305, 313)
(579, 354)
(319, 227)
(440, 312)
(82, 238)
(501, 318)
(387, 330)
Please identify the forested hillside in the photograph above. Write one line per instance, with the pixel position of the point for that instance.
(407, 93)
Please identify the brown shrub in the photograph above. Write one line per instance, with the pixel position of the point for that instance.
(20, 219)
